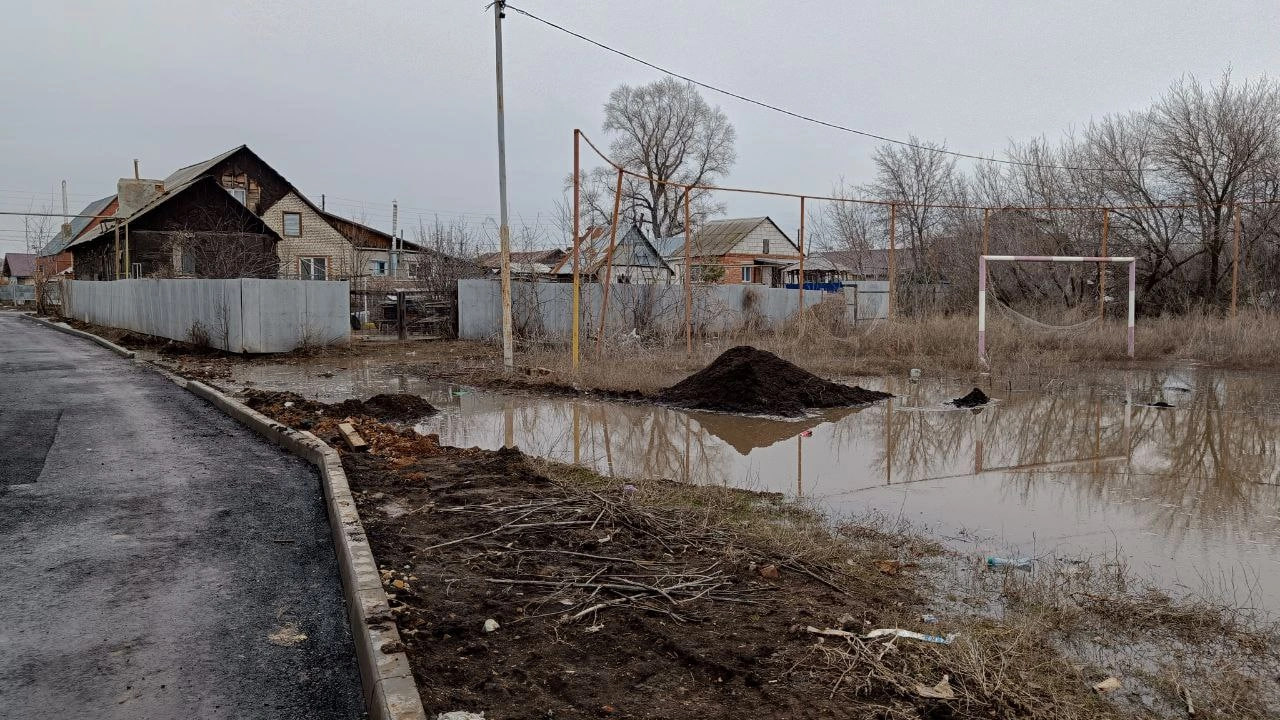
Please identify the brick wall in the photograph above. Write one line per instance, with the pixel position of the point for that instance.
(318, 239)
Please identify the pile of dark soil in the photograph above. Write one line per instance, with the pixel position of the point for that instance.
(757, 382)
(386, 407)
(975, 398)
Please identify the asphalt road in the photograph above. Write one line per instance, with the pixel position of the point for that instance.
(157, 560)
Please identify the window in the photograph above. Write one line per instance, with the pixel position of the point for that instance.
(292, 224)
(746, 274)
(377, 267)
(238, 194)
(765, 242)
(136, 270)
(313, 268)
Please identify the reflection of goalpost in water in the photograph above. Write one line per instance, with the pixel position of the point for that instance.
(982, 286)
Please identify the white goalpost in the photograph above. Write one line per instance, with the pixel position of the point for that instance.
(982, 287)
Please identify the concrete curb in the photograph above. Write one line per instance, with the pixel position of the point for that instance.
(60, 327)
(390, 692)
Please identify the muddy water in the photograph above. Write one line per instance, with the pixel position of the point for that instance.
(1189, 495)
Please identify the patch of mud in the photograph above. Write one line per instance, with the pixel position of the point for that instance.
(293, 409)
(756, 382)
(975, 398)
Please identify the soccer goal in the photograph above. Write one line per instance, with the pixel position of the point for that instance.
(982, 287)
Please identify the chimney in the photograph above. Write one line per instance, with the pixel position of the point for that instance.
(134, 193)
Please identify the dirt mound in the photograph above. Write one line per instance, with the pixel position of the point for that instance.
(756, 382)
(387, 407)
(975, 398)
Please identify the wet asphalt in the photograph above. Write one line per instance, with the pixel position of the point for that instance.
(150, 549)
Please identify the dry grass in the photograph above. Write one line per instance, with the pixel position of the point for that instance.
(946, 343)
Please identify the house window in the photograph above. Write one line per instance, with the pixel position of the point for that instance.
(313, 268)
(136, 270)
(292, 224)
(765, 242)
(239, 194)
(746, 274)
(377, 267)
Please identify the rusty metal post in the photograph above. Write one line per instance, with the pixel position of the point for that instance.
(893, 271)
(577, 281)
(800, 244)
(402, 325)
(608, 262)
(1102, 267)
(986, 231)
(1235, 262)
(688, 281)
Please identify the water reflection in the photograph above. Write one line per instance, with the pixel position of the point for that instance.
(1076, 465)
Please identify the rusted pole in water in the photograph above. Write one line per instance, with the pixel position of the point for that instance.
(688, 280)
(1102, 267)
(893, 221)
(1235, 261)
(577, 281)
(608, 262)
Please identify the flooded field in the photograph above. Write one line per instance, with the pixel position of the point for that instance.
(1187, 494)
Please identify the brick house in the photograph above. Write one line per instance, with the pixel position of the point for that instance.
(745, 250)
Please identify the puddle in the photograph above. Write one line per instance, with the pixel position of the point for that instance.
(1188, 495)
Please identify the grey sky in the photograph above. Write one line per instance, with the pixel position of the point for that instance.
(366, 102)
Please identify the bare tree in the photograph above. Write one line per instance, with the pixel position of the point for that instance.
(919, 177)
(666, 131)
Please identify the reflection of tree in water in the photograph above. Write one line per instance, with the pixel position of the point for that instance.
(1209, 464)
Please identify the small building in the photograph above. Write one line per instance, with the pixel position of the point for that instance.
(843, 266)
(19, 268)
(55, 259)
(527, 264)
(635, 259)
(735, 251)
(194, 229)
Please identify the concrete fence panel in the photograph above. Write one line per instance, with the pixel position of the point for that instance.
(545, 309)
(239, 315)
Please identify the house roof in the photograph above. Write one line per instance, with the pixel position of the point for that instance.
(871, 261)
(549, 256)
(716, 237)
(19, 264)
(159, 200)
(594, 251)
(184, 175)
(78, 224)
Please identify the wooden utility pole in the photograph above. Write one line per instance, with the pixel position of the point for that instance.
(504, 230)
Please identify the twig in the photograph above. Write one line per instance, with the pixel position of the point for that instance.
(494, 531)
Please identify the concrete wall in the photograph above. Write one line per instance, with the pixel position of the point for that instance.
(240, 315)
(544, 309)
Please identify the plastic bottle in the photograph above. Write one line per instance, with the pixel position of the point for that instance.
(1019, 563)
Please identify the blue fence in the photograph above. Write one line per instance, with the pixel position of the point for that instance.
(834, 287)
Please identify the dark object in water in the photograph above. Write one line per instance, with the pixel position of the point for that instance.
(757, 382)
(1161, 404)
(975, 398)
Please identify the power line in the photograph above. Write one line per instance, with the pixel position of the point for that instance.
(797, 115)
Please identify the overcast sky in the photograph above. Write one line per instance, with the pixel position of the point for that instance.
(366, 102)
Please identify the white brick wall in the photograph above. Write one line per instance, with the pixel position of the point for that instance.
(319, 239)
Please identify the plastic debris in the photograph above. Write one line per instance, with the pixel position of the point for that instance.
(491, 625)
(898, 632)
(1111, 684)
(915, 374)
(931, 619)
(941, 691)
(807, 433)
(460, 715)
(1019, 563)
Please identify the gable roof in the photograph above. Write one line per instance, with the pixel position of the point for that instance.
(19, 264)
(719, 237)
(549, 256)
(79, 224)
(594, 251)
(871, 261)
(184, 175)
(164, 197)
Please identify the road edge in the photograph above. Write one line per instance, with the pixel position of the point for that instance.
(390, 691)
(64, 328)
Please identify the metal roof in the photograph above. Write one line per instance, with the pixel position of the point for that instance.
(872, 261)
(19, 264)
(78, 225)
(182, 176)
(716, 237)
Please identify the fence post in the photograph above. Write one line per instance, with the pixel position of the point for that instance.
(577, 280)
(402, 325)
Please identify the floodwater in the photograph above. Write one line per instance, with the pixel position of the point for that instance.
(1187, 495)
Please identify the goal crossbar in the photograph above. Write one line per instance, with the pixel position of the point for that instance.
(1132, 262)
